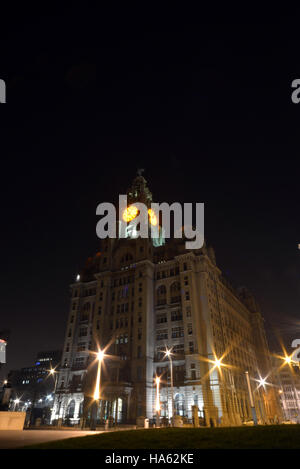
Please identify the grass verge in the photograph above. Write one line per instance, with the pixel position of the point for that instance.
(260, 437)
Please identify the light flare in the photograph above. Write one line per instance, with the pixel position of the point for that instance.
(130, 213)
(100, 357)
(152, 217)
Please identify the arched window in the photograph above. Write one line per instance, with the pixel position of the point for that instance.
(161, 295)
(175, 292)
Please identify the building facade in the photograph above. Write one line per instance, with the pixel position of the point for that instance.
(287, 378)
(136, 297)
(32, 388)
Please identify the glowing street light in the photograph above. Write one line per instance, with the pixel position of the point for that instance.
(288, 360)
(54, 373)
(100, 357)
(218, 362)
(168, 353)
(262, 382)
(16, 401)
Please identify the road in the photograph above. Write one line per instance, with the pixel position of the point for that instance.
(18, 438)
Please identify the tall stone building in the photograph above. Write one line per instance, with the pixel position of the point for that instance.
(136, 297)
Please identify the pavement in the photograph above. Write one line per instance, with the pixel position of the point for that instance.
(18, 438)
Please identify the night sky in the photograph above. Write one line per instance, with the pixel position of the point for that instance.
(201, 100)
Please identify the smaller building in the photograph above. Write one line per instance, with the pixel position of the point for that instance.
(33, 387)
(287, 377)
(4, 335)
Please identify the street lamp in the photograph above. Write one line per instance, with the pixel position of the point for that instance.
(168, 354)
(100, 358)
(157, 401)
(53, 372)
(251, 399)
(16, 401)
(262, 382)
(218, 363)
(287, 359)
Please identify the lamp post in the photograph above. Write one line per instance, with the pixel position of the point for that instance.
(100, 357)
(169, 355)
(16, 401)
(54, 374)
(157, 401)
(251, 398)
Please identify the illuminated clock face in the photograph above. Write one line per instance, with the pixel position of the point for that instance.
(130, 213)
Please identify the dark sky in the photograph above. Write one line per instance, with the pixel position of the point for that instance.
(201, 100)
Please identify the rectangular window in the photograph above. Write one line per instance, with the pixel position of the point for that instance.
(161, 318)
(162, 334)
(176, 315)
(178, 349)
(83, 332)
(177, 332)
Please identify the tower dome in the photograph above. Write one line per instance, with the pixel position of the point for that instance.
(139, 191)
